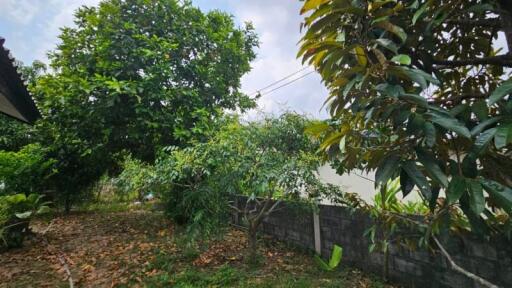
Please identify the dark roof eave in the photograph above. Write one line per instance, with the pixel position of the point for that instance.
(19, 95)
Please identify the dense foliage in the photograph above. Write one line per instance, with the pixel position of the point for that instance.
(134, 181)
(131, 77)
(267, 161)
(25, 171)
(419, 91)
(15, 213)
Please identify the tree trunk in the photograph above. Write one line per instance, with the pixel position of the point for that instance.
(252, 242)
(67, 204)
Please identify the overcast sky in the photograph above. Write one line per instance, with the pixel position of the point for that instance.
(31, 28)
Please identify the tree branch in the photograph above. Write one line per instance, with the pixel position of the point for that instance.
(272, 209)
(235, 208)
(501, 60)
(461, 270)
(491, 22)
(457, 99)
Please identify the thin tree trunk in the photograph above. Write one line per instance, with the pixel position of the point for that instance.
(252, 243)
(67, 204)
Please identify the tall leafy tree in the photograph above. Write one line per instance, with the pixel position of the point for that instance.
(418, 89)
(136, 75)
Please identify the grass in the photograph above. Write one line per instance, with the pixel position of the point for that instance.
(242, 276)
(221, 263)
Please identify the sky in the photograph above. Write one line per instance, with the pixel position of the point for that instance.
(31, 29)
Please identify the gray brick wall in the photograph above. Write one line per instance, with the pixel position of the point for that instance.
(419, 268)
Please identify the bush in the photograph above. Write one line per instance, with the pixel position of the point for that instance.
(15, 214)
(26, 171)
(186, 182)
(268, 160)
(134, 182)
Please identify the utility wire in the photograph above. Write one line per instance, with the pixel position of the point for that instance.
(259, 91)
(286, 84)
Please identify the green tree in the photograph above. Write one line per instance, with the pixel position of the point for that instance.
(134, 76)
(267, 161)
(419, 91)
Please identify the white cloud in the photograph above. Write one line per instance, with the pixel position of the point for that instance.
(63, 15)
(20, 11)
(277, 24)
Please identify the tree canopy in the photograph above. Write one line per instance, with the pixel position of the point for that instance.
(132, 77)
(137, 75)
(419, 90)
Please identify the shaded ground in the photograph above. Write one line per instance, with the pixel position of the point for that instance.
(138, 249)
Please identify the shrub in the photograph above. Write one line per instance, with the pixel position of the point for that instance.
(15, 214)
(134, 182)
(267, 161)
(25, 171)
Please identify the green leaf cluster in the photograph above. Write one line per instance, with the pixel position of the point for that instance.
(417, 91)
(15, 213)
(131, 77)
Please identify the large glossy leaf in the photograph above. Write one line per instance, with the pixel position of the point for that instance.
(402, 59)
(312, 4)
(388, 44)
(502, 136)
(430, 134)
(24, 215)
(449, 122)
(398, 31)
(360, 55)
(416, 99)
(503, 90)
(334, 261)
(480, 109)
(480, 127)
(406, 184)
(418, 178)
(386, 169)
(476, 196)
(501, 194)
(483, 140)
(456, 188)
(419, 12)
(433, 169)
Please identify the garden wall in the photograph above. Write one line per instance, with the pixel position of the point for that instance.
(420, 268)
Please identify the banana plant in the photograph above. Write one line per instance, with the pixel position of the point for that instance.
(337, 253)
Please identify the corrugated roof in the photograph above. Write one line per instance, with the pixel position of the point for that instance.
(15, 100)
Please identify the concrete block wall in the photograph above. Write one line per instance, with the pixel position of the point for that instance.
(418, 268)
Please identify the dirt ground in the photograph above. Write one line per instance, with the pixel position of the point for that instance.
(100, 249)
(129, 249)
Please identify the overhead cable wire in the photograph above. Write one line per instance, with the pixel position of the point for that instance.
(286, 84)
(260, 91)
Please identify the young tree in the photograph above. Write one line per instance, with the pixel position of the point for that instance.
(267, 161)
(135, 76)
